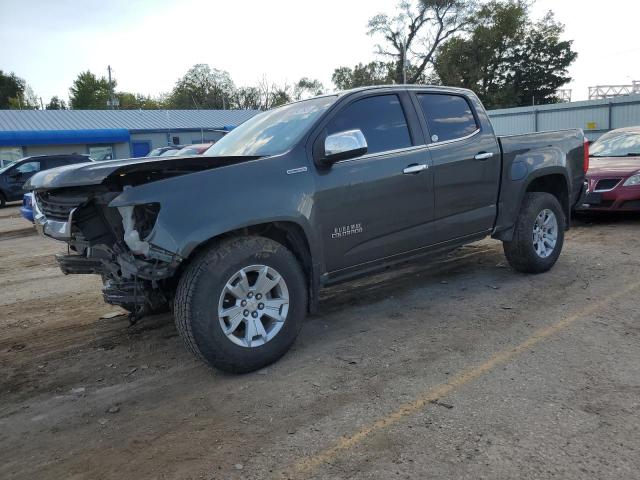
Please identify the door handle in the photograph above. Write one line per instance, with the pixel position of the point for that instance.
(415, 168)
(483, 155)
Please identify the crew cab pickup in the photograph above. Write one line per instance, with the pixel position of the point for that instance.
(238, 242)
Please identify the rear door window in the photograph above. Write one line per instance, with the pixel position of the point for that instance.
(381, 119)
(449, 117)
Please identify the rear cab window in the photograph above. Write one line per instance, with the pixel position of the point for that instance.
(381, 119)
(449, 117)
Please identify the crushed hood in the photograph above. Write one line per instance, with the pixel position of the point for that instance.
(133, 171)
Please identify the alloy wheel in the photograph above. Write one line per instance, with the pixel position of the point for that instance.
(545, 233)
(253, 305)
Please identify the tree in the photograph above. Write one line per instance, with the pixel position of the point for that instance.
(15, 94)
(56, 104)
(247, 98)
(203, 88)
(280, 96)
(413, 35)
(138, 101)
(307, 87)
(11, 88)
(304, 88)
(507, 59)
(29, 100)
(266, 95)
(89, 92)
(541, 63)
(373, 73)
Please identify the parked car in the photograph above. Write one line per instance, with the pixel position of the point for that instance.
(304, 196)
(26, 210)
(195, 149)
(164, 151)
(613, 178)
(13, 177)
(171, 153)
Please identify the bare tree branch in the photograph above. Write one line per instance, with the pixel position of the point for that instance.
(417, 30)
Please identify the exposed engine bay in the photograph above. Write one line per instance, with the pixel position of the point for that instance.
(110, 242)
(73, 205)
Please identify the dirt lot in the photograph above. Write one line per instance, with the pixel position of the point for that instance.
(455, 369)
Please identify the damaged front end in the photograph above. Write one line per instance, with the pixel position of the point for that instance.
(109, 241)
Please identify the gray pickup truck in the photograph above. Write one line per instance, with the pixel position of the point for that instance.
(239, 241)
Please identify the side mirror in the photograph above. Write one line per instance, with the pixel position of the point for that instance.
(343, 146)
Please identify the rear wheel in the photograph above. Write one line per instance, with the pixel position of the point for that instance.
(3, 200)
(538, 236)
(240, 305)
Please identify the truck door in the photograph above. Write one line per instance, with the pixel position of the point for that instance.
(466, 166)
(379, 204)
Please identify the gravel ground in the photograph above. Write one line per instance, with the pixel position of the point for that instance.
(12, 224)
(458, 368)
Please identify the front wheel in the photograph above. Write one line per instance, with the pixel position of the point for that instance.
(538, 235)
(240, 304)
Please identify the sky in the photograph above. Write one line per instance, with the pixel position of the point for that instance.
(150, 44)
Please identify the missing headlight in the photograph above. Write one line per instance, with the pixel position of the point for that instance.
(145, 217)
(138, 222)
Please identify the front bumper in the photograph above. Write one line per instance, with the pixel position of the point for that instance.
(621, 199)
(56, 229)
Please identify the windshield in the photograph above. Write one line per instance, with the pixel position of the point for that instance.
(155, 152)
(170, 153)
(189, 151)
(5, 164)
(272, 132)
(616, 144)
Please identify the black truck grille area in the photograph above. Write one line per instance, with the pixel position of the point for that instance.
(58, 206)
(607, 184)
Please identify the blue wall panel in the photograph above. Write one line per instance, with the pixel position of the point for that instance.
(62, 137)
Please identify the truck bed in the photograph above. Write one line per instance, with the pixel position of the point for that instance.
(527, 156)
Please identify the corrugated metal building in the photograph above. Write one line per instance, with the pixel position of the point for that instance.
(595, 117)
(107, 134)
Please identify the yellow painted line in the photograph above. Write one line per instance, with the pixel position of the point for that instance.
(304, 467)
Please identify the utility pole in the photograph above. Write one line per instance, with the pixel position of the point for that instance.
(404, 64)
(112, 101)
(41, 104)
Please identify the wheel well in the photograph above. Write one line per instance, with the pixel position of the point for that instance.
(556, 185)
(288, 234)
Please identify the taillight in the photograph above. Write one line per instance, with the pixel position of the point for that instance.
(585, 164)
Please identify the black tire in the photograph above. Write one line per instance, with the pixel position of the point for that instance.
(3, 200)
(520, 251)
(199, 290)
